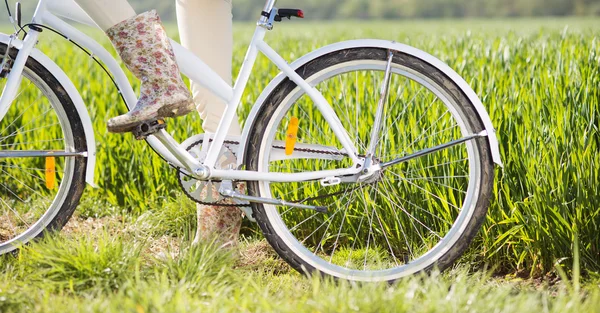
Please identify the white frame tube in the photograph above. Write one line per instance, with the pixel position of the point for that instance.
(197, 71)
(14, 78)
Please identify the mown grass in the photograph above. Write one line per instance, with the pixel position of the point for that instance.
(539, 81)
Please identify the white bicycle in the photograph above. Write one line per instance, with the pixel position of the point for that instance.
(365, 160)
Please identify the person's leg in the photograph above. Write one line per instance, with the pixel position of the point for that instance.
(107, 13)
(144, 46)
(205, 28)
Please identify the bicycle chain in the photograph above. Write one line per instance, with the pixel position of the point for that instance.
(235, 183)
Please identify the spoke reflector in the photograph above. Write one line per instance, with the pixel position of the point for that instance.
(50, 172)
(291, 135)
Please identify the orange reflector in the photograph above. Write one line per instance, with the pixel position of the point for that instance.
(291, 136)
(50, 172)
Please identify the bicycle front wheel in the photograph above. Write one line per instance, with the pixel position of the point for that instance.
(407, 218)
(42, 169)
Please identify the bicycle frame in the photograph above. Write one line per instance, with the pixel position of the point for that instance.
(48, 12)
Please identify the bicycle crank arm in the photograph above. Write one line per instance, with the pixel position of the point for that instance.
(432, 150)
(236, 195)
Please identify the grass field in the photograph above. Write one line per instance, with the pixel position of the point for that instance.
(539, 81)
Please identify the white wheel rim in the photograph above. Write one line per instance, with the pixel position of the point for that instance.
(69, 165)
(424, 261)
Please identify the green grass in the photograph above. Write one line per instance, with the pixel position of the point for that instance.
(119, 266)
(539, 81)
(112, 269)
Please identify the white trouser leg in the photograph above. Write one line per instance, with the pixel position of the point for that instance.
(107, 13)
(205, 28)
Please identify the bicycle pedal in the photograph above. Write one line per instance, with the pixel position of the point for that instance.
(148, 128)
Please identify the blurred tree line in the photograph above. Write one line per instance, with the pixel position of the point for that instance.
(394, 9)
(387, 9)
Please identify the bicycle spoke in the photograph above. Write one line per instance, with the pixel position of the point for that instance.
(435, 196)
(304, 221)
(416, 206)
(439, 177)
(11, 192)
(383, 148)
(413, 218)
(22, 112)
(346, 102)
(23, 126)
(15, 212)
(437, 165)
(28, 131)
(387, 240)
(438, 183)
(325, 232)
(404, 110)
(335, 244)
(5, 220)
(369, 236)
(22, 143)
(25, 185)
(23, 168)
(426, 130)
(431, 135)
(26, 171)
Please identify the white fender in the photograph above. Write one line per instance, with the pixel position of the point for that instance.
(373, 43)
(66, 83)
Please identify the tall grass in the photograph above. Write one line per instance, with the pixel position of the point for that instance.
(539, 81)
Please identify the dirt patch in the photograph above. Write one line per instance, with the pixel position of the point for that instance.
(4, 235)
(550, 282)
(153, 247)
(7, 228)
(78, 226)
(162, 248)
(4, 231)
(260, 256)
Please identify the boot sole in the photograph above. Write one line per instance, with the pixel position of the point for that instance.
(177, 109)
(173, 110)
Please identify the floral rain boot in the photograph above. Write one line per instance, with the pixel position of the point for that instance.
(220, 222)
(142, 43)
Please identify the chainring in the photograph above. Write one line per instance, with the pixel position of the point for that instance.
(203, 191)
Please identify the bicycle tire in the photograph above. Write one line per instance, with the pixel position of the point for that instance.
(313, 68)
(67, 197)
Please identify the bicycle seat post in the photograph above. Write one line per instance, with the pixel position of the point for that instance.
(268, 7)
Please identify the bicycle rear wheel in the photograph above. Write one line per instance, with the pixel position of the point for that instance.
(38, 190)
(407, 218)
